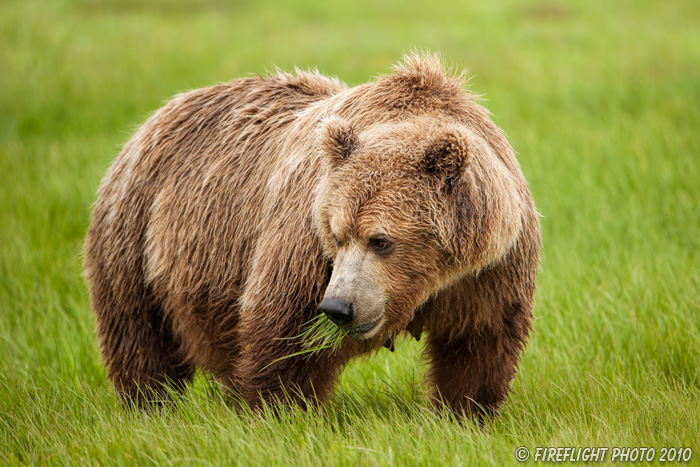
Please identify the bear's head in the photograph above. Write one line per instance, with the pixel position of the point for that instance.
(403, 211)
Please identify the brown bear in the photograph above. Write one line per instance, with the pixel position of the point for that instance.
(238, 212)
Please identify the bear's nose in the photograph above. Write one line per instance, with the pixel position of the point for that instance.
(337, 311)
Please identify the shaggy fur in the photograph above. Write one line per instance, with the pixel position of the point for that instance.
(215, 232)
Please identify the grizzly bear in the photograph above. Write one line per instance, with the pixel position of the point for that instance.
(239, 212)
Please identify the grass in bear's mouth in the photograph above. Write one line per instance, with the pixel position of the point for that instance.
(320, 333)
(317, 334)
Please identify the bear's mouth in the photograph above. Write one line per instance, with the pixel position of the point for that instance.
(364, 331)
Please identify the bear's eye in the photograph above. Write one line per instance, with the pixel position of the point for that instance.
(380, 245)
(337, 242)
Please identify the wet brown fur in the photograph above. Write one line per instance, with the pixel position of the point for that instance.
(211, 237)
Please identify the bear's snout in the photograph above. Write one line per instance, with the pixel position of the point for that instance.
(338, 311)
(354, 299)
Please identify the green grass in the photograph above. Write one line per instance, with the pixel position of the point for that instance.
(317, 334)
(599, 98)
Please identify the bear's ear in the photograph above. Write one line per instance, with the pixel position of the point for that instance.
(446, 157)
(337, 139)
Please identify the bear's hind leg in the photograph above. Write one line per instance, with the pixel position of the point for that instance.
(144, 360)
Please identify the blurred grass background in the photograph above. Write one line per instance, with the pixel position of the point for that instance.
(600, 99)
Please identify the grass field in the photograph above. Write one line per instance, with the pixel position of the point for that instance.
(600, 99)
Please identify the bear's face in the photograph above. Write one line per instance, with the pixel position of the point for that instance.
(381, 215)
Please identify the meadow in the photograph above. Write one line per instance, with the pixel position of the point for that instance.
(600, 100)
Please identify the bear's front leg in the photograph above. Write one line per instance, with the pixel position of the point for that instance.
(267, 374)
(472, 373)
